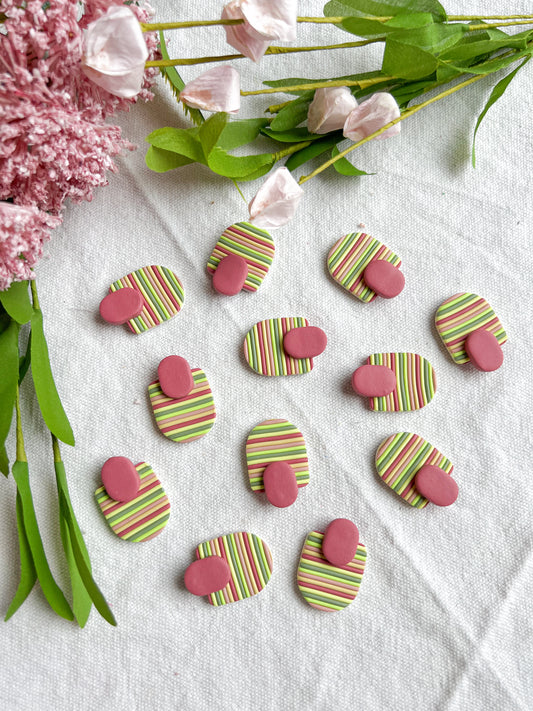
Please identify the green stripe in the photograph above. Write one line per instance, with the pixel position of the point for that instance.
(152, 296)
(174, 285)
(324, 601)
(142, 533)
(139, 505)
(177, 437)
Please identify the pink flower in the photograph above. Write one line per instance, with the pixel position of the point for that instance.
(264, 20)
(115, 52)
(23, 230)
(276, 201)
(217, 89)
(329, 109)
(371, 115)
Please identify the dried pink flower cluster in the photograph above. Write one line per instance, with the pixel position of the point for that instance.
(23, 230)
(54, 142)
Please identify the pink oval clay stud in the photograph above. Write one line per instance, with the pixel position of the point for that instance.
(230, 275)
(340, 542)
(484, 351)
(436, 485)
(175, 377)
(207, 575)
(374, 381)
(305, 342)
(384, 278)
(280, 484)
(120, 479)
(120, 306)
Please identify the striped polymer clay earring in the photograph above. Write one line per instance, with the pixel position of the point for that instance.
(395, 382)
(241, 259)
(230, 568)
(471, 331)
(143, 299)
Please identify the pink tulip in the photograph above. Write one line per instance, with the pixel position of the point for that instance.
(276, 200)
(264, 20)
(371, 115)
(329, 109)
(115, 52)
(217, 89)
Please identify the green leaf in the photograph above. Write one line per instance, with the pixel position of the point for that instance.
(239, 133)
(293, 114)
(344, 167)
(239, 167)
(16, 301)
(178, 140)
(372, 28)
(85, 574)
(292, 81)
(496, 93)
(28, 574)
(159, 160)
(4, 461)
(24, 362)
(432, 38)
(81, 600)
(315, 149)
(407, 61)
(295, 135)
(51, 591)
(210, 131)
(9, 355)
(493, 65)
(176, 83)
(367, 8)
(470, 50)
(45, 388)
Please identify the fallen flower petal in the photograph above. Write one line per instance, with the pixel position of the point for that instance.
(276, 201)
(371, 115)
(115, 52)
(329, 109)
(217, 89)
(243, 37)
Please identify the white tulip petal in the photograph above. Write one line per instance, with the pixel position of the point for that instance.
(276, 201)
(329, 109)
(217, 89)
(371, 115)
(115, 52)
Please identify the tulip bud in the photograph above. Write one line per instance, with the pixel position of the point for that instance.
(276, 200)
(264, 20)
(371, 115)
(217, 89)
(329, 109)
(115, 52)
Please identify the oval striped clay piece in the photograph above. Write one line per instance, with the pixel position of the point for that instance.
(416, 382)
(400, 457)
(264, 351)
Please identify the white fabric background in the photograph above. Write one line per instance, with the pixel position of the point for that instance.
(443, 619)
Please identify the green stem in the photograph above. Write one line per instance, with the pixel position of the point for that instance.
(362, 84)
(155, 26)
(290, 150)
(405, 114)
(21, 452)
(34, 294)
(270, 51)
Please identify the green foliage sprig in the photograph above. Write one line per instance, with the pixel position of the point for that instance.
(19, 312)
(425, 51)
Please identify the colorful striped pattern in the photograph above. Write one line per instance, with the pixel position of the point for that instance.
(415, 382)
(249, 559)
(349, 258)
(263, 348)
(399, 458)
(142, 518)
(250, 243)
(324, 586)
(188, 418)
(276, 441)
(461, 315)
(162, 292)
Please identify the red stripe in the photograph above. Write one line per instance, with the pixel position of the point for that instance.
(165, 287)
(144, 520)
(186, 423)
(337, 593)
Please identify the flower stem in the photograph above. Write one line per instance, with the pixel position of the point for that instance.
(290, 150)
(35, 298)
(405, 114)
(21, 452)
(153, 26)
(270, 51)
(362, 84)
